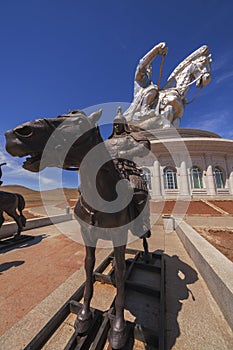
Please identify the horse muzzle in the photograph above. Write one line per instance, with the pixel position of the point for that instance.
(205, 80)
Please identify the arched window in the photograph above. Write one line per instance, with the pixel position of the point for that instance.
(219, 178)
(169, 177)
(147, 177)
(196, 177)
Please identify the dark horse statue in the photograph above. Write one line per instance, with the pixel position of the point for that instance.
(68, 141)
(13, 204)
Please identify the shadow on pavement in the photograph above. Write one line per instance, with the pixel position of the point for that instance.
(11, 244)
(178, 276)
(7, 265)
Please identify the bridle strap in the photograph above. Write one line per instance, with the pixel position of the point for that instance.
(195, 97)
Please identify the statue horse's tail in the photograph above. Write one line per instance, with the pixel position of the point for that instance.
(21, 206)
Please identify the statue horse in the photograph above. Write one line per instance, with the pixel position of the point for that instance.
(12, 204)
(168, 106)
(72, 138)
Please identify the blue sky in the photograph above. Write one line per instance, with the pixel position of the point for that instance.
(57, 55)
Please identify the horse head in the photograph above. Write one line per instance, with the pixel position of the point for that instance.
(202, 70)
(54, 142)
(195, 68)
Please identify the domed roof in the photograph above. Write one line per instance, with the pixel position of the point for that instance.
(168, 133)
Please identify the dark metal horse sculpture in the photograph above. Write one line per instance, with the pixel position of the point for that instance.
(82, 134)
(12, 204)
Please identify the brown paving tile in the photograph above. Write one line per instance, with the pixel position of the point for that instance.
(224, 205)
(183, 207)
(37, 270)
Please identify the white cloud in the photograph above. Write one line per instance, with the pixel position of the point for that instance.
(216, 122)
(51, 182)
(224, 76)
(13, 173)
(46, 180)
(221, 66)
(223, 61)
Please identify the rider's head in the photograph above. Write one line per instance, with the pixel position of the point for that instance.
(120, 125)
(118, 128)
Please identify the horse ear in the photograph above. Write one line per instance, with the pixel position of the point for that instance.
(94, 117)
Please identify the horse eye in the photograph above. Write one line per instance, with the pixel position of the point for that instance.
(24, 131)
(79, 122)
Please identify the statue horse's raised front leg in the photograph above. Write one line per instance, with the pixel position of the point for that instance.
(84, 318)
(117, 335)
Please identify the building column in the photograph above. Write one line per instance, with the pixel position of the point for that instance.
(156, 183)
(210, 183)
(229, 161)
(183, 180)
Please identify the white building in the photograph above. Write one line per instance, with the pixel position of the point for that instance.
(188, 163)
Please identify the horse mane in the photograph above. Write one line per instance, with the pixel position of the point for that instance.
(71, 113)
(202, 51)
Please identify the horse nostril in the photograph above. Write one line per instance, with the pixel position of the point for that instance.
(24, 131)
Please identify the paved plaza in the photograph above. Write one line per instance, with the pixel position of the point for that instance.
(38, 277)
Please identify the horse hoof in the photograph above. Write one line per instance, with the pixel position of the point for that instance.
(117, 339)
(82, 326)
(17, 236)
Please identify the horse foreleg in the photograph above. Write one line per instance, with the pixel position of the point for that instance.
(84, 317)
(145, 246)
(17, 219)
(89, 267)
(21, 206)
(119, 253)
(146, 255)
(167, 115)
(23, 219)
(117, 334)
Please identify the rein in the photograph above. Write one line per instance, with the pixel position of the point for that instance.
(198, 92)
(193, 81)
(195, 97)
(160, 71)
(186, 86)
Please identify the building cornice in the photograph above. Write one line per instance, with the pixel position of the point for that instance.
(192, 144)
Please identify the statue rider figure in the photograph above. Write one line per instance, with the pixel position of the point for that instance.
(123, 145)
(143, 74)
(145, 91)
(1, 172)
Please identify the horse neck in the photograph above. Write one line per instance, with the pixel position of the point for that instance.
(181, 80)
(96, 173)
(184, 79)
